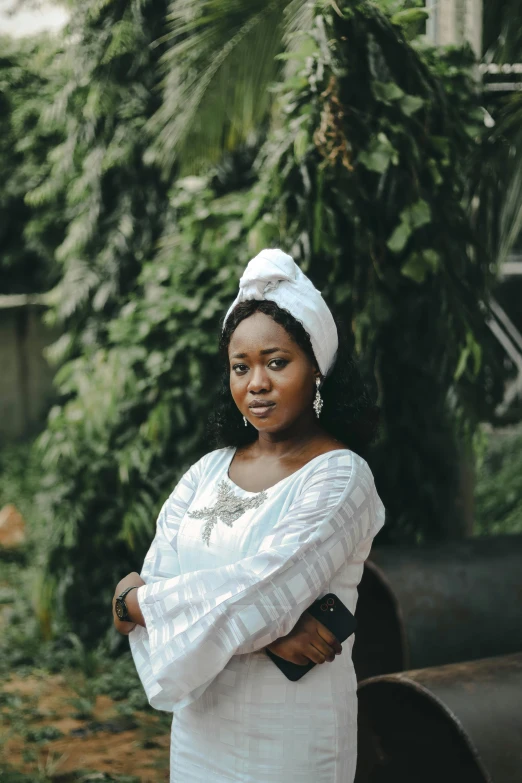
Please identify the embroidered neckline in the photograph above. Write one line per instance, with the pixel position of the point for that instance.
(227, 508)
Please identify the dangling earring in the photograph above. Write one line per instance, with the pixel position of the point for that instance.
(245, 420)
(318, 402)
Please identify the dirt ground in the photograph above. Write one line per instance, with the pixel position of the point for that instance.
(46, 728)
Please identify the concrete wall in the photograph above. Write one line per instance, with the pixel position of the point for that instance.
(455, 21)
(25, 377)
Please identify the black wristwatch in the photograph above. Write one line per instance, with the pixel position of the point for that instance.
(121, 607)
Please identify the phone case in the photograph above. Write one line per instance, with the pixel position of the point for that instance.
(332, 613)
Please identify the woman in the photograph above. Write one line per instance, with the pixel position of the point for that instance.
(253, 533)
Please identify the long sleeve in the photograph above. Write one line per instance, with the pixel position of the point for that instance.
(198, 620)
(161, 562)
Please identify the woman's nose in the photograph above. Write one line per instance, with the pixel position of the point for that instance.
(259, 379)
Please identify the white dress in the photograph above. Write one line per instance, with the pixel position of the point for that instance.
(230, 571)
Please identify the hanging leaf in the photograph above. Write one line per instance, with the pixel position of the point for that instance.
(418, 214)
(387, 92)
(409, 16)
(461, 366)
(412, 218)
(411, 104)
(301, 142)
(419, 264)
(397, 242)
(379, 155)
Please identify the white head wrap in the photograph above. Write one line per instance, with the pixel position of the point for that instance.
(275, 276)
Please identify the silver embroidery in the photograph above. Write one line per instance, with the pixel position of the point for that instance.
(228, 507)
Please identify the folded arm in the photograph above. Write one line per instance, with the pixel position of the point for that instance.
(195, 622)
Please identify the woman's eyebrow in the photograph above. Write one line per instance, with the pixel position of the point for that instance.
(264, 352)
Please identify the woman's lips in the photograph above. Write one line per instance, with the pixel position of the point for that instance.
(260, 412)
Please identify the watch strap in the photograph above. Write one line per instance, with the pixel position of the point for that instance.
(127, 590)
(121, 598)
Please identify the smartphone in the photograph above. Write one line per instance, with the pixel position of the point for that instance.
(332, 613)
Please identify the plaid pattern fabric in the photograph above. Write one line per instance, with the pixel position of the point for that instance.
(210, 609)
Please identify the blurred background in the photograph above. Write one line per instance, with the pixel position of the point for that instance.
(147, 152)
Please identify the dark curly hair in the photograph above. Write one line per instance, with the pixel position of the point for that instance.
(348, 413)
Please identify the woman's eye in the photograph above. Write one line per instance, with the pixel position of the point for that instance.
(274, 364)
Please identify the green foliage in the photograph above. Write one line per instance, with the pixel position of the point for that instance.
(376, 207)
(19, 479)
(27, 616)
(43, 734)
(114, 200)
(215, 92)
(10, 775)
(28, 233)
(498, 492)
(409, 15)
(137, 407)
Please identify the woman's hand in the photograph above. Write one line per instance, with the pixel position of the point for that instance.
(309, 640)
(122, 626)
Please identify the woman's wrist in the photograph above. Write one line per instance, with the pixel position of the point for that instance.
(135, 581)
(133, 607)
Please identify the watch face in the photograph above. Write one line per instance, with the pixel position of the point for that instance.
(120, 611)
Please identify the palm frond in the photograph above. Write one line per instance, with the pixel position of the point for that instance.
(219, 65)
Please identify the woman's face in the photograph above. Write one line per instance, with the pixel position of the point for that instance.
(267, 366)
